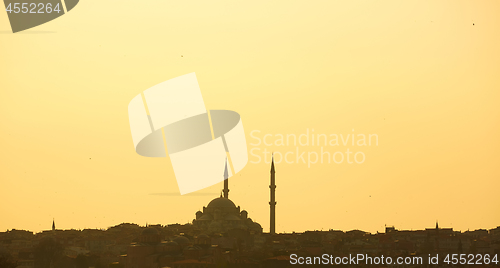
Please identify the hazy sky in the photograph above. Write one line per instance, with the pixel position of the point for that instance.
(421, 75)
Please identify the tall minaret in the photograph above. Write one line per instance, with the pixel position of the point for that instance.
(53, 225)
(273, 200)
(226, 183)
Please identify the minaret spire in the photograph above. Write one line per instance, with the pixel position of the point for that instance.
(53, 224)
(226, 183)
(273, 202)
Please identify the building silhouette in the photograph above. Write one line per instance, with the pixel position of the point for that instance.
(221, 215)
(272, 203)
(222, 235)
(226, 182)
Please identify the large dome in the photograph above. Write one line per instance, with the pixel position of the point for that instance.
(221, 202)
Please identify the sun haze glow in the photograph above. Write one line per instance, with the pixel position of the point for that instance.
(421, 75)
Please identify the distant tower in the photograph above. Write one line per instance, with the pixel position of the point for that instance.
(226, 183)
(53, 225)
(273, 199)
(436, 247)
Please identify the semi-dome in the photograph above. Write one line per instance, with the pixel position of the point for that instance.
(150, 236)
(150, 231)
(232, 218)
(206, 217)
(181, 240)
(221, 202)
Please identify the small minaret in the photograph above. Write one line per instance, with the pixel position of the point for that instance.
(273, 200)
(226, 183)
(53, 225)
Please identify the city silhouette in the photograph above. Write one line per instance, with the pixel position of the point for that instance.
(223, 235)
(222, 133)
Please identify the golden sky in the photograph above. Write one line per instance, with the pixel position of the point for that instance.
(422, 75)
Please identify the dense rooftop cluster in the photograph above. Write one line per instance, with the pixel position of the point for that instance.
(178, 246)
